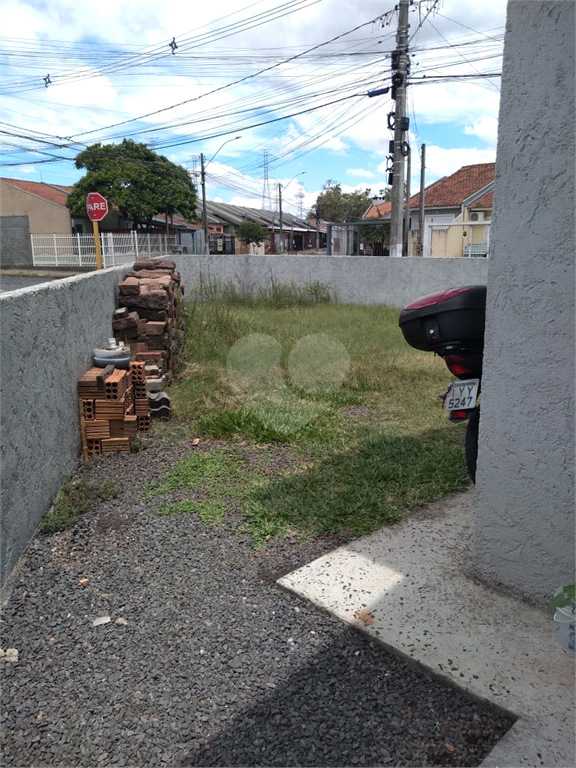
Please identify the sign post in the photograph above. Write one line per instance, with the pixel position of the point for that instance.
(97, 207)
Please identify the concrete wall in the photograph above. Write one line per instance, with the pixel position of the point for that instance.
(354, 279)
(15, 245)
(45, 218)
(47, 336)
(525, 522)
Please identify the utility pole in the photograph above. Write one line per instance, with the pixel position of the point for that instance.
(406, 241)
(280, 207)
(400, 63)
(204, 216)
(421, 206)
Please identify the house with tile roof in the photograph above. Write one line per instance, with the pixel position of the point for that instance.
(290, 234)
(44, 204)
(30, 207)
(457, 214)
(36, 208)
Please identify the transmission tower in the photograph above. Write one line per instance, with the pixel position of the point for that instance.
(300, 199)
(266, 196)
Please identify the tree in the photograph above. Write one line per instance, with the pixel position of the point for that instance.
(134, 179)
(336, 206)
(377, 236)
(251, 232)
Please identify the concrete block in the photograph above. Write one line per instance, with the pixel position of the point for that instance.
(156, 384)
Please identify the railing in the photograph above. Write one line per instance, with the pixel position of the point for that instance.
(476, 249)
(116, 248)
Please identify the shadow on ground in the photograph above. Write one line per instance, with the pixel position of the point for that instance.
(353, 704)
(373, 483)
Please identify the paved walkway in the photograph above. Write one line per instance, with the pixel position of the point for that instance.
(409, 586)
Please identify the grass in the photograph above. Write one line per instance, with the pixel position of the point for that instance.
(74, 497)
(355, 408)
(213, 477)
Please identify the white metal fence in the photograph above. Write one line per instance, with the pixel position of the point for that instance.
(116, 248)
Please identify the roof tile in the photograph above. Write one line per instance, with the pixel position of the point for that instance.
(54, 193)
(450, 191)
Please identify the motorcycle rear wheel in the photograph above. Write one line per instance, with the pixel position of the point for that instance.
(471, 443)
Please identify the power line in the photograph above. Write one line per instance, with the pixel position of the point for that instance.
(157, 52)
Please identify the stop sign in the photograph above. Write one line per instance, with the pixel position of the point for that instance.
(97, 206)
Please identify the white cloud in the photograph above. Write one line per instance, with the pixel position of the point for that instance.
(352, 134)
(246, 202)
(97, 92)
(461, 102)
(486, 129)
(360, 172)
(28, 170)
(442, 162)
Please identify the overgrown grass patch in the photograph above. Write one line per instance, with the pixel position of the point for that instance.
(350, 474)
(74, 497)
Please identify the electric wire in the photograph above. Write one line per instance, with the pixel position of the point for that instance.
(297, 93)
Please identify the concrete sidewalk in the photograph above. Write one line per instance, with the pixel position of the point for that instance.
(410, 587)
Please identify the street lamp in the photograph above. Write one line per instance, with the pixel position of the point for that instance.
(280, 206)
(203, 167)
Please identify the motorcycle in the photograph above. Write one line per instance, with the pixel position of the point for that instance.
(451, 324)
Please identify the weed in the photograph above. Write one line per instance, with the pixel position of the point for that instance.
(208, 511)
(356, 472)
(273, 295)
(74, 497)
(201, 470)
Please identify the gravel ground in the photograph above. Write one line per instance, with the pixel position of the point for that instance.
(204, 661)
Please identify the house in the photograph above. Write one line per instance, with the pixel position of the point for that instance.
(28, 207)
(45, 206)
(32, 208)
(285, 234)
(457, 214)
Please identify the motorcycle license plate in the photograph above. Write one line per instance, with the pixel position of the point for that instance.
(462, 395)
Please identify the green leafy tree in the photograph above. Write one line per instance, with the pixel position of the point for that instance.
(136, 180)
(377, 236)
(336, 206)
(252, 233)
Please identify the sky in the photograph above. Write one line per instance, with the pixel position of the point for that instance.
(269, 91)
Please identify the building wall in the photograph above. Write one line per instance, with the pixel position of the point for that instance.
(524, 532)
(15, 246)
(451, 240)
(45, 218)
(353, 279)
(48, 333)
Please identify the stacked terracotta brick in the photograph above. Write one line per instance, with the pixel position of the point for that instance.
(113, 408)
(149, 317)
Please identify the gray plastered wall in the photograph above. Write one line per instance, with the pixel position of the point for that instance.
(524, 532)
(353, 279)
(15, 244)
(47, 336)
